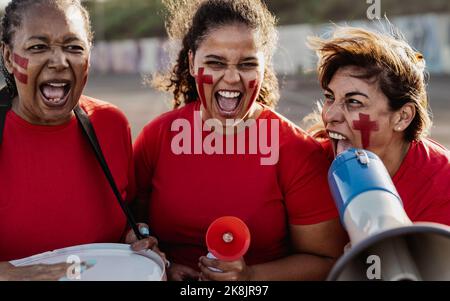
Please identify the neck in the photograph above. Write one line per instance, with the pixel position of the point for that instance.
(28, 115)
(394, 155)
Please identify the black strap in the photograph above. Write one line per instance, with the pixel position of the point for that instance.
(89, 131)
(5, 106)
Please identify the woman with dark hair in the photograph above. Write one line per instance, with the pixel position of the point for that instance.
(224, 151)
(53, 191)
(376, 99)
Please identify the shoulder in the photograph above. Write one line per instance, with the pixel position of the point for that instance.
(292, 137)
(434, 149)
(163, 122)
(100, 111)
(429, 155)
(431, 160)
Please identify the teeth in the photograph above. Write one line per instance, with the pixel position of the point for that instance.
(58, 85)
(229, 94)
(336, 136)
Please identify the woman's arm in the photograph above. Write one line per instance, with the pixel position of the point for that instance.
(316, 247)
(39, 272)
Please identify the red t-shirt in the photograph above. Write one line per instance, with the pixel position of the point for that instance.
(53, 191)
(423, 181)
(189, 191)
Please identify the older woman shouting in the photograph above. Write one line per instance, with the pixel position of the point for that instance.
(53, 191)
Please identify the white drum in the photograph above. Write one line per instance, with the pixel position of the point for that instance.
(112, 262)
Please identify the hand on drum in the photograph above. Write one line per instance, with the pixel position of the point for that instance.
(38, 272)
(236, 270)
(148, 243)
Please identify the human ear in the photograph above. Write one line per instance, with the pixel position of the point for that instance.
(191, 63)
(7, 57)
(404, 117)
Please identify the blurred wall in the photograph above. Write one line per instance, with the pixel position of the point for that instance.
(429, 34)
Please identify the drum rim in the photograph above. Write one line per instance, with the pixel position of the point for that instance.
(94, 246)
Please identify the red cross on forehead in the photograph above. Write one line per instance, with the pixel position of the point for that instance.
(201, 80)
(366, 127)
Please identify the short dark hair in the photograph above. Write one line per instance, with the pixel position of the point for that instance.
(12, 20)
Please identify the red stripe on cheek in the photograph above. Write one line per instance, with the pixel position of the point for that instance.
(366, 127)
(201, 80)
(23, 78)
(252, 85)
(21, 61)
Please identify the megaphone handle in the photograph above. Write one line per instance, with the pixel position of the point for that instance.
(211, 256)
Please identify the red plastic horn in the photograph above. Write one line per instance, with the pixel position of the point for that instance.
(228, 238)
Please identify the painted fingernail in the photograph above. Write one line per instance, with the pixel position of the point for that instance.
(144, 231)
(91, 262)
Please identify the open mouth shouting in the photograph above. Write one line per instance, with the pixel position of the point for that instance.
(55, 93)
(228, 102)
(340, 142)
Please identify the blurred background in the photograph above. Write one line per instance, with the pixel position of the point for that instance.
(131, 45)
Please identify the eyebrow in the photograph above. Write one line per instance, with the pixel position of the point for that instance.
(220, 58)
(349, 94)
(355, 93)
(216, 57)
(329, 90)
(71, 39)
(47, 40)
(42, 38)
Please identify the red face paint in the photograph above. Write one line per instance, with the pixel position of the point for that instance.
(366, 127)
(23, 78)
(22, 63)
(252, 85)
(202, 79)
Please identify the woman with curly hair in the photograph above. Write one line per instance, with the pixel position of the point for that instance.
(248, 161)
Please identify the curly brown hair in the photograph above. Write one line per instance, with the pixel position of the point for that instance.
(191, 20)
(385, 56)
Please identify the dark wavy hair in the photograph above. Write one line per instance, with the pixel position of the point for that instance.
(192, 20)
(12, 20)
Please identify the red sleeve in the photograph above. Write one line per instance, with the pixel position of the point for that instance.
(131, 189)
(439, 212)
(114, 134)
(304, 168)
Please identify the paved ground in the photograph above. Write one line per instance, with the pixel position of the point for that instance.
(141, 104)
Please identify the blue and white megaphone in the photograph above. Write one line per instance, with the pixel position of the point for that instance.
(386, 245)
